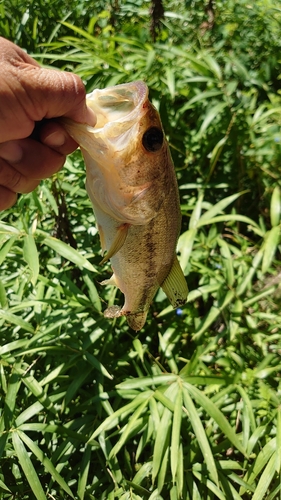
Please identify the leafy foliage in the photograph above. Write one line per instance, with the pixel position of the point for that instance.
(190, 407)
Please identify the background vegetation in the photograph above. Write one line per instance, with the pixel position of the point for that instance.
(190, 407)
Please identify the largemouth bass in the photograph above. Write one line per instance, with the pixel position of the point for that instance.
(132, 185)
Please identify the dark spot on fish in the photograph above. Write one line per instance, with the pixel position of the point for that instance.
(179, 302)
(153, 139)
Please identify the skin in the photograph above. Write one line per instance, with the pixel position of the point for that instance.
(33, 146)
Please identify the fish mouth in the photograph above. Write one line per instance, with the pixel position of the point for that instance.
(118, 110)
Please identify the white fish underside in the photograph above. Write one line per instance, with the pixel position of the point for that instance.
(132, 185)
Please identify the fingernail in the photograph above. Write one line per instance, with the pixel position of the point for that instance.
(55, 139)
(11, 151)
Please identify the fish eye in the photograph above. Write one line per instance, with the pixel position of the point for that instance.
(153, 139)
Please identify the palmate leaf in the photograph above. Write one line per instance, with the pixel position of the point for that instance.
(214, 412)
(128, 429)
(120, 414)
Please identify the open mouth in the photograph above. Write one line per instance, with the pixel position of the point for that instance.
(117, 108)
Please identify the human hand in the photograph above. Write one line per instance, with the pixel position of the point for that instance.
(33, 146)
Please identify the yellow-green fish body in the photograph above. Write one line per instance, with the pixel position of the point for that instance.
(132, 185)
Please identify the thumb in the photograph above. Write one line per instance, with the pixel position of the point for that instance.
(55, 93)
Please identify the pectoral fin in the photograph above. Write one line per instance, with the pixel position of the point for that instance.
(110, 281)
(102, 239)
(117, 243)
(175, 286)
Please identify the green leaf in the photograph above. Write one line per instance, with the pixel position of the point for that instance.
(228, 218)
(120, 414)
(265, 479)
(4, 487)
(210, 116)
(84, 472)
(161, 441)
(215, 154)
(214, 412)
(27, 467)
(30, 255)
(213, 313)
(213, 65)
(127, 430)
(170, 79)
(269, 248)
(210, 486)
(199, 431)
(185, 246)
(36, 389)
(196, 213)
(9, 230)
(50, 198)
(6, 248)
(201, 96)
(161, 476)
(3, 296)
(246, 280)
(93, 293)
(275, 207)
(176, 433)
(218, 208)
(16, 320)
(98, 365)
(45, 461)
(261, 461)
(227, 262)
(141, 382)
(68, 252)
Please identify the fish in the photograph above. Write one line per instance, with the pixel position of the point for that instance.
(131, 181)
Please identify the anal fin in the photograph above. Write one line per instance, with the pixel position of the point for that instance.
(175, 286)
(117, 243)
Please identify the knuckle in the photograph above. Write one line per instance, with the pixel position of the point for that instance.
(10, 177)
